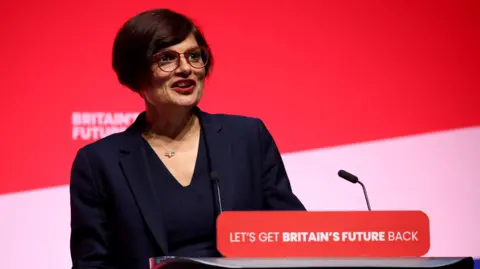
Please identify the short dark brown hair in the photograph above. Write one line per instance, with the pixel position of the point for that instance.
(144, 35)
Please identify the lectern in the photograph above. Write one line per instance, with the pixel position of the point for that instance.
(320, 240)
(311, 263)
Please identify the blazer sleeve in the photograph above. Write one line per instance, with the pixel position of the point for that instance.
(90, 233)
(278, 194)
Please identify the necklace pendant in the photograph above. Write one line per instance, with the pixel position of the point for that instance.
(169, 154)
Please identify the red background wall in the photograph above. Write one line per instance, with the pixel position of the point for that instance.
(320, 73)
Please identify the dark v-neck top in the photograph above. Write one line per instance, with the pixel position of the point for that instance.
(188, 213)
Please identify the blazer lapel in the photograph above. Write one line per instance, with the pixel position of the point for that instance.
(220, 156)
(137, 172)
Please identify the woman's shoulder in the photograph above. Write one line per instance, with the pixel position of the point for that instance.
(235, 119)
(105, 146)
(230, 120)
(245, 128)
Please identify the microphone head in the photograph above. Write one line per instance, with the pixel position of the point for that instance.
(214, 176)
(347, 176)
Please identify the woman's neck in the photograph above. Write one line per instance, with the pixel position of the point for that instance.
(172, 123)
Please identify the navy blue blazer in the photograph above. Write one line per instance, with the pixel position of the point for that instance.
(115, 217)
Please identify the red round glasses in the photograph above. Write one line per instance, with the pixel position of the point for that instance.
(169, 60)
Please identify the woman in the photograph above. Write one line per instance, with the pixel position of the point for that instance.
(152, 189)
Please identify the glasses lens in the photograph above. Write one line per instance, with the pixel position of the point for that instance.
(198, 57)
(167, 60)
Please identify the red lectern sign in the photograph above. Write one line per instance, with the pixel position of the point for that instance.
(323, 234)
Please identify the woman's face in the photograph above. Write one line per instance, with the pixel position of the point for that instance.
(177, 79)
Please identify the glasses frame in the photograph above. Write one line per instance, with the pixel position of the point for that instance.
(179, 54)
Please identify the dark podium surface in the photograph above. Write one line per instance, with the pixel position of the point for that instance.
(377, 263)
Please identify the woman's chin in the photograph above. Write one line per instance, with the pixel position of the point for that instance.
(186, 101)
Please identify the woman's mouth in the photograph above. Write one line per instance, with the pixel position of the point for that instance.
(184, 85)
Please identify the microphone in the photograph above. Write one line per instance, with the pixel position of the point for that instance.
(215, 179)
(354, 179)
